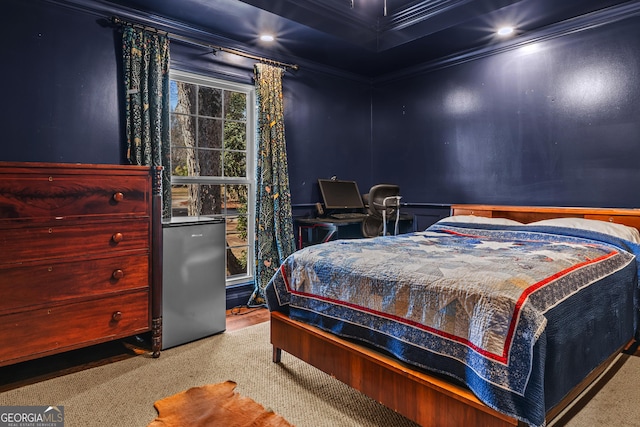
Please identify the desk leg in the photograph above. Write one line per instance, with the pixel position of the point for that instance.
(333, 229)
(309, 231)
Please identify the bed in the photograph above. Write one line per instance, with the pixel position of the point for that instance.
(521, 312)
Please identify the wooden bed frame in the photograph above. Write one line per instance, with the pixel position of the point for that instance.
(426, 399)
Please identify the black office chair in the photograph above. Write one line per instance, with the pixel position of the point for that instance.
(383, 201)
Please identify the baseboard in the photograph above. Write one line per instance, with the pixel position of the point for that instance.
(239, 294)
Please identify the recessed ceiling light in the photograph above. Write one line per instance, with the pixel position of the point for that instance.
(267, 38)
(505, 31)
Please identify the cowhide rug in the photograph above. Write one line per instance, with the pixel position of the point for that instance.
(214, 405)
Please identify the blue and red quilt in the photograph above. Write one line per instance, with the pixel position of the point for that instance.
(466, 301)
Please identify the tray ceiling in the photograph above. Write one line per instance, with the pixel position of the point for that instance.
(367, 37)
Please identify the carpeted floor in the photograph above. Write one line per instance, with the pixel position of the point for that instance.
(122, 393)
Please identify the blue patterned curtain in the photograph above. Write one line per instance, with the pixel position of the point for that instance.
(274, 224)
(145, 58)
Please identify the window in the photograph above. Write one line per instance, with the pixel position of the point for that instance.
(212, 140)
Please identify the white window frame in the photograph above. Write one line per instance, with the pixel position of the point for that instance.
(249, 180)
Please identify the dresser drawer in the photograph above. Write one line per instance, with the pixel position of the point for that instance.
(31, 286)
(38, 195)
(24, 244)
(49, 330)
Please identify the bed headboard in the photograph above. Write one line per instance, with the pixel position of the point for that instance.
(526, 214)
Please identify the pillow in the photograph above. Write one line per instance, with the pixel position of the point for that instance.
(473, 219)
(617, 230)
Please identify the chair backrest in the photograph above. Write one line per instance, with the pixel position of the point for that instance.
(376, 197)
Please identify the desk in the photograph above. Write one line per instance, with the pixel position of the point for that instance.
(311, 231)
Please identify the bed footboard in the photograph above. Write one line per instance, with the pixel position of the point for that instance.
(427, 400)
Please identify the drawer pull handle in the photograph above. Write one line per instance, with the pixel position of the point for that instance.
(117, 274)
(116, 316)
(117, 237)
(118, 197)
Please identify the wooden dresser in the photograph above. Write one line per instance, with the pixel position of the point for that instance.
(76, 264)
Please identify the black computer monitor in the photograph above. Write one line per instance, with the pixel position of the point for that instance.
(340, 194)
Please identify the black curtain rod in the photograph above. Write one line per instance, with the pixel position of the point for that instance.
(215, 48)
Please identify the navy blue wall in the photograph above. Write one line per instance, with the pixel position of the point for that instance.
(59, 86)
(555, 122)
(328, 130)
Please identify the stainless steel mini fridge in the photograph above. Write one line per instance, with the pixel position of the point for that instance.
(193, 279)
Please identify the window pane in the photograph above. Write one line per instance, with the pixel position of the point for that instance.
(209, 133)
(237, 245)
(210, 102)
(196, 200)
(235, 105)
(183, 97)
(183, 162)
(210, 162)
(236, 200)
(183, 131)
(179, 200)
(237, 261)
(235, 163)
(210, 199)
(235, 135)
(237, 231)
